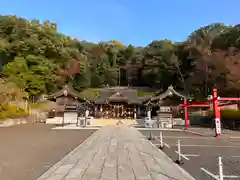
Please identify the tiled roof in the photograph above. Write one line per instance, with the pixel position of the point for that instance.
(66, 89)
(168, 93)
(118, 94)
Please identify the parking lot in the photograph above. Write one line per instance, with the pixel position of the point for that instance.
(200, 154)
(28, 150)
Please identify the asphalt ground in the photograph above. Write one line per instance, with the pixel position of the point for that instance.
(27, 151)
(204, 150)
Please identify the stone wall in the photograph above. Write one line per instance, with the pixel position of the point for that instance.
(11, 122)
(34, 117)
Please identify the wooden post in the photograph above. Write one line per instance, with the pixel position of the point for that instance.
(216, 112)
(186, 114)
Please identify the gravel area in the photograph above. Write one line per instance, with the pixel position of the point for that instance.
(27, 151)
(207, 148)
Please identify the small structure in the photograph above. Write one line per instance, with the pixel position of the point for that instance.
(164, 106)
(117, 102)
(69, 104)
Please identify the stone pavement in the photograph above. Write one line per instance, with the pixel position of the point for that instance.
(116, 153)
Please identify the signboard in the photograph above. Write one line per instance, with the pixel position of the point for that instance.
(71, 107)
(165, 109)
(218, 125)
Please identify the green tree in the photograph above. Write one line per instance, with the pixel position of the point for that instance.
(18, 72)
(199, 46)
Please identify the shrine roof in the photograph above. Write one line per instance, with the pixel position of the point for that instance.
(168, 93)
(69, 90)
(118, 94)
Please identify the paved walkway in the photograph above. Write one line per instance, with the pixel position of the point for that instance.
(116, 153)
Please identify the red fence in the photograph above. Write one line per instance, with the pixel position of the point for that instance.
(214, 101)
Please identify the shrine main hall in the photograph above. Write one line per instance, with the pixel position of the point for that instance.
(118, 102)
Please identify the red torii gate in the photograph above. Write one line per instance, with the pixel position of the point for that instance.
(214, 100)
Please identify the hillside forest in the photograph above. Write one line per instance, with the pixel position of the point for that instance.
(37, 59)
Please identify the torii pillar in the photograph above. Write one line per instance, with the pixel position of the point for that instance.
(186, 113)
(216, 112)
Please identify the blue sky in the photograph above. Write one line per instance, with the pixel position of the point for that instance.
(136, 22)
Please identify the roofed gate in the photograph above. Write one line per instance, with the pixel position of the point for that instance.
(69, 104)
(164, 106)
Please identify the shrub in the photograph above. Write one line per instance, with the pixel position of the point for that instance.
(11, 111)
(38, 104)
(228, 114)
(42, 105)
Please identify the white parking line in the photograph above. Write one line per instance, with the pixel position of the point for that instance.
(161, 129)
(165, 144)
(191, 155)
(189, 137)
(210, 146)
(209, 173)
(182, 155)
(234, 137)
(217, 176)
(231, 176)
